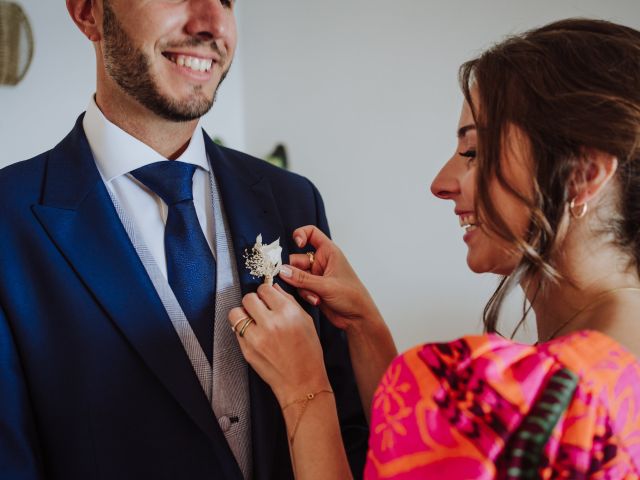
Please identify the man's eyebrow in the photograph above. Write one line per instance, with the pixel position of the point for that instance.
(462, 131)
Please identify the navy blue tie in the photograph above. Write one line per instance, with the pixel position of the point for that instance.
(191, 267)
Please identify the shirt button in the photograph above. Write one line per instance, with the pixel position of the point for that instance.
(225, 423)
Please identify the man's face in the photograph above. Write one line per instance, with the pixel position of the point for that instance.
(169, 55)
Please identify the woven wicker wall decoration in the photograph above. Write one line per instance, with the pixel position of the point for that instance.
(16, 43)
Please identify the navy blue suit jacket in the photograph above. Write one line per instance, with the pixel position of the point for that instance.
(94, 383)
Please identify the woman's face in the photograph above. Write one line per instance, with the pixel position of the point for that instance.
(456, 181)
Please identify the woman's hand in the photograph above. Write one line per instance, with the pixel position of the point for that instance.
(279, 340)
(329, 282)
(283, 346)
(280, 343)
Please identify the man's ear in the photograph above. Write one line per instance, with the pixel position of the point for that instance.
(592, 175)
(83, 14)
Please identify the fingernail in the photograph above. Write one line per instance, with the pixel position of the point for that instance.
(312, 299)
(298, 241)
(286, 271)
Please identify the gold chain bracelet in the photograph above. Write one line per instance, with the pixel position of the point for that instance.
(305, 403)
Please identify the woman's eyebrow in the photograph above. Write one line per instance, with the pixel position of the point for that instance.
(462, 131)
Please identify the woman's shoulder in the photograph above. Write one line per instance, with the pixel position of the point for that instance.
(591, 355)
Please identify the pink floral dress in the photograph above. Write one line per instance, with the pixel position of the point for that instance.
(484, 407)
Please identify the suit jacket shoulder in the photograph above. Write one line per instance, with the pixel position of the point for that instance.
(21, 182)
(277, 175)
(293, 193)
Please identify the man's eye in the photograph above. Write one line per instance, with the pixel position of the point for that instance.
(470, 155)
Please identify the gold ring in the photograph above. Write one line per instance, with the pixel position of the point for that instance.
(245, 325)
(312, 258)
(235, 325)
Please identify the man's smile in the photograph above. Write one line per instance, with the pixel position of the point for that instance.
(191, 62)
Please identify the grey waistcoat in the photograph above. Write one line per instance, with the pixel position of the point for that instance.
(226, 384)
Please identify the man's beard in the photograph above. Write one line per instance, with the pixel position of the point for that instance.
(130, 68)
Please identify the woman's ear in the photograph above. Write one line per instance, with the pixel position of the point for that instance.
(592, 175)
(83, 14)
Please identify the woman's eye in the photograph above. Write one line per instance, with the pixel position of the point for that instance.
(470, 155)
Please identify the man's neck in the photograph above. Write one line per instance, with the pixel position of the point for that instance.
(170, 139)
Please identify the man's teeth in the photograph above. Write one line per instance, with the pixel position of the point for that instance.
(193, 63)
(468, 222)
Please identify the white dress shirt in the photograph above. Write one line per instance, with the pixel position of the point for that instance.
(117, 153)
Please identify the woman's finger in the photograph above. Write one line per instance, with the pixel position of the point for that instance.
(301, 279)
(255, 307)
(287, 295)
(237, 315)
(310, 234)
(271, 297)
(300, 260)
(300, 235)
(309, 297)
(240, 322)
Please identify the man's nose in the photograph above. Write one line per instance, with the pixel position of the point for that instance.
(209, 19)
(446, 185)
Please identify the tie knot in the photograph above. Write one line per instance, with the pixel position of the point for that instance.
(170, 180)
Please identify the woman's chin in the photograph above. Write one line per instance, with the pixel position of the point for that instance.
(477, 265)
(485, 265)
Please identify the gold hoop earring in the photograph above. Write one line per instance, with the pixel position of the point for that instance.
(577, 211)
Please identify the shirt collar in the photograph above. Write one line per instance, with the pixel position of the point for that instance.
(116, 153)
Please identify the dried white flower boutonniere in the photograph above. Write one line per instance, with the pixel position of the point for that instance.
(264, 260)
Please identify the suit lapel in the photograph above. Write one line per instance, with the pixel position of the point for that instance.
(251, 210)
(79, 217)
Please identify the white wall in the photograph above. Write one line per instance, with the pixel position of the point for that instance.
(365, 95)
(40, 111)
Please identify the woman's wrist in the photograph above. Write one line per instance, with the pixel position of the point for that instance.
(368, 323)
(292, 394)
(295, 410)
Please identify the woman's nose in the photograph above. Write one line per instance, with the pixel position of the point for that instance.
(446, 185)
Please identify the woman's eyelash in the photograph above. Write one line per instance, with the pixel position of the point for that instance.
(470, 155)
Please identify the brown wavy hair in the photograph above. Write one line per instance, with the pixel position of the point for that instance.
(570, 86)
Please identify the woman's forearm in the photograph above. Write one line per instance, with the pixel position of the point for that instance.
(315, 441)
(372, 349)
